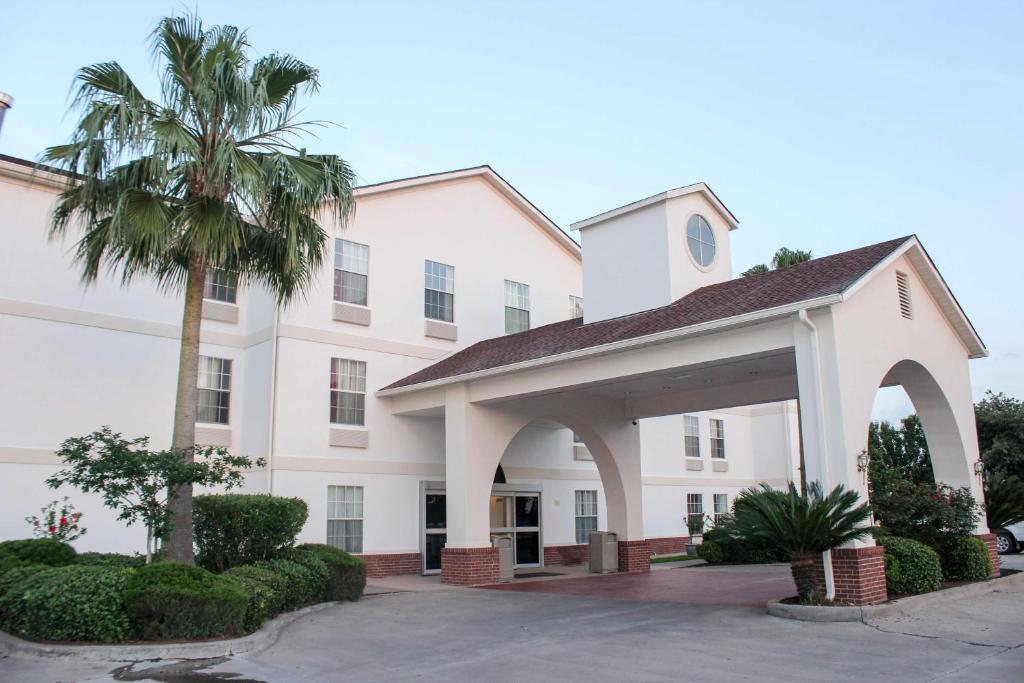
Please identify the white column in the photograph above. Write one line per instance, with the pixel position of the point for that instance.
(466, 485)
(616, 452)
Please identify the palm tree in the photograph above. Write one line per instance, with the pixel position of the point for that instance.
(784, 258)
(205, 177)
(801, 525)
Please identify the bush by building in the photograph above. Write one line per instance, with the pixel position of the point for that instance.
(910, 566)
(47, 551)
(111, 560)
(237, 529)
(965, 558)
(347, 579)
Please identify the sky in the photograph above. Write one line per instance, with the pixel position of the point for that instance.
(822, 126)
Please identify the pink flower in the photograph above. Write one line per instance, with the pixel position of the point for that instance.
(52, 529)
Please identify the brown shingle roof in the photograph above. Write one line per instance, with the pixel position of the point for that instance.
(802, 282)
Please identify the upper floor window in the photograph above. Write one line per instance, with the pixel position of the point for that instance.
(701, 240)
(220, 285)
(575, 307)
(717, 438)
(691, 436)
(348, 391)
(517, 307)
(351, 271)
(214, 386)
(439, 291)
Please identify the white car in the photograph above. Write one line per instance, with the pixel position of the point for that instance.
(1011, 539)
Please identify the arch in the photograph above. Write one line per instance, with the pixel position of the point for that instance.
(949, 454)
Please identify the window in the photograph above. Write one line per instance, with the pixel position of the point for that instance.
(701, 240)
(517, 307)
(220, 285)
(586, 515)
(351, 271)
(214, 385)
(575, 307)
(439, 291)
(348, 391)
(579, 449)
(721, 506)
(345, 518)
(695, 513)
(691, 435)
(903, 289)
(717, 438)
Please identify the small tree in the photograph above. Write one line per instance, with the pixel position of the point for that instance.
(1000, 420)
(139, 482)
(799, 524)
(1004, 500)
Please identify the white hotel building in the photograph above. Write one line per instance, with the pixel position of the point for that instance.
(426, 266)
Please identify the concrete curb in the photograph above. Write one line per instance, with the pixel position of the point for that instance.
(902, 607)
(265, 637)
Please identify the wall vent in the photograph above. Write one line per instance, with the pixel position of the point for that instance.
(903, 287)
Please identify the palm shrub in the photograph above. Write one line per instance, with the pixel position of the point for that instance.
(800, 525)
(1004, 500)
(207, 176)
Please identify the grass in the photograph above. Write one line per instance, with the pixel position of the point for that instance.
(671, 558)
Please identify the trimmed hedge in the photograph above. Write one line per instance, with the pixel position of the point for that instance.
(46, 551)
(112, 560)
(723, 549)
(347, 579)
(13, 576)
(711, 552)
(910, 566)
(303, 585)
(965, 558)
(68, 603)
(170, 601)
(235, 529)
(276, 582)
(262, 601)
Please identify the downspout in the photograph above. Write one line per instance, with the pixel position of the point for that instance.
(826, 557)
(272, 422)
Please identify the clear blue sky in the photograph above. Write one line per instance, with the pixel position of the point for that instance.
(824, 126)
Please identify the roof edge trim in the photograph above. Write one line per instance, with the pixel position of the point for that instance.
(696, 188)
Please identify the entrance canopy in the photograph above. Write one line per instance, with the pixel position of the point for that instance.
(829, 331)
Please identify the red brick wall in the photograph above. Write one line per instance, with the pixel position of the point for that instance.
(567, 555)
(469, 566)
(668, 545)
(391, 564)
(634, 556)
(990, 541)
(859, 575)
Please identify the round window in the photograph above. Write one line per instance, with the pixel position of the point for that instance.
(701, 240)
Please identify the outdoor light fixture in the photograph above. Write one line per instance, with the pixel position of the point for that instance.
(979, 468)
(863, 459)
(6, 102)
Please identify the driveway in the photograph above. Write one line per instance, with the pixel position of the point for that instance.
(501, 635)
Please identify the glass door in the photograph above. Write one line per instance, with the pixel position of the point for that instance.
(527, 529)
(435, 520)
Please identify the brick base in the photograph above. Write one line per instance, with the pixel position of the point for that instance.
(567, 555)
(859, 575)
(990, 541)
(469, 566)
(668, 545)
(391, 564)
(635, 556)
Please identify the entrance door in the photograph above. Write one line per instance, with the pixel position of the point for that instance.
(435, 520)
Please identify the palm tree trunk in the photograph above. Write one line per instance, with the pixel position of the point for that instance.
(805, 569)
(179, 544)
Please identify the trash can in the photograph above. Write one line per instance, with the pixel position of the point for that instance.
(604, 552)
(506, 561)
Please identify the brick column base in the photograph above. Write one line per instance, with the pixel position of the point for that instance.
(859, 575)
(990, 541)
(469, 566)
(634, 556)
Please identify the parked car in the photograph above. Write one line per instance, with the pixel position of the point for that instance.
(1011, 539)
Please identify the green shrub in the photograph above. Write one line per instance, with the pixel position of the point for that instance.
(168, 601)
(112, 560)
(46, 551)
(316, 566)
(711, 552)
(965, 558)
(236, 529)
(262, 600)
(276, 582)
(68, 603)
(910, 566)
(15, 575)
(347, 574)
(303, 586)
(921, 511)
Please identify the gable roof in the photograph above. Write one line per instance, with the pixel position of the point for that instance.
(695, 188)
(488, 174)
(817, 282)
